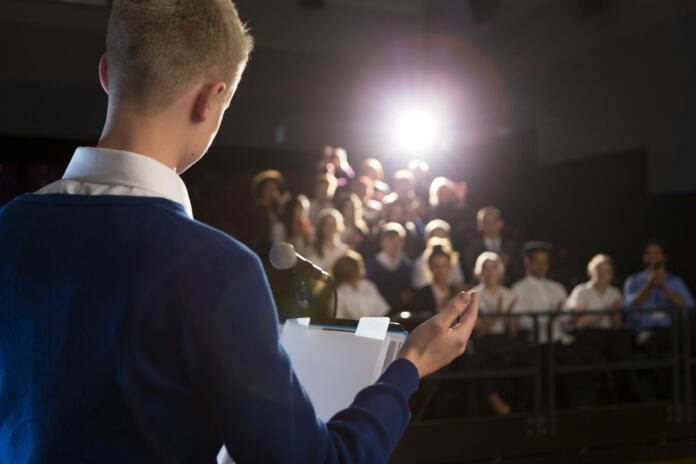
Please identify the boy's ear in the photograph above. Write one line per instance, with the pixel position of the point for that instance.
(104, 73)
(206, 99)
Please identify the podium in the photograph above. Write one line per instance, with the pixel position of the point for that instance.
(335, 359)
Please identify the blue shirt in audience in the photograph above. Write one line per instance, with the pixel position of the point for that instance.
(656, 300)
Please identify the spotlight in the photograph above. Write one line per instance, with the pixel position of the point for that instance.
(416, 131)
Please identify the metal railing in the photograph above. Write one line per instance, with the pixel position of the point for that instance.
(546, 369)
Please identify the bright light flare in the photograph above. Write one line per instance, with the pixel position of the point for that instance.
(416, 131)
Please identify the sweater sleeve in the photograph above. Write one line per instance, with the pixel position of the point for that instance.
(251, 394)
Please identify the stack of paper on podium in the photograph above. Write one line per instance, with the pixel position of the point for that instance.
(334, 363)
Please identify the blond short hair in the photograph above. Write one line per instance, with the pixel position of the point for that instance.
(436, 185)
(487, 211)
(488, 256)
(157, 48)
(596, 261)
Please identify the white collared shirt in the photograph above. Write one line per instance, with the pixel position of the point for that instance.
(101, 171)
(542, 295)
(493, 303)
(492, 244)
(586, 296)
(362, 300)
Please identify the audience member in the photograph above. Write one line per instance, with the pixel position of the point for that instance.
(440, 229)
(448, 202)
(603, 331)
(396, 211)
(363, 187)
(595, 294)
(537, 293)
(356, 232)
(324, 189)
(390, 270)
(372, 168)
(434, 296)
(294, 227)
(342, 170)
(357, 297)
(266, 189)
(327, 244)
(497, 349)
(655, 288)
(489, 223)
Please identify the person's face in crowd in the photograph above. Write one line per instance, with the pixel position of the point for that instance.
(330, 228)
(321, 191)
(348, 212)
(270, 192)
(538, 264)
(490, 274)
(402, 187)
(397, 213)
(392, 244)
(370, 172)
(441, 267)
(379, 195)
(654, 256)
(602, 274)
(491, 226)
(445, 195)
(298, 215)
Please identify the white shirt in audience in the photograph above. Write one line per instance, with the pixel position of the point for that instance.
(492, 244)
(585, 296)
(362, 300)
(420, 275)
(542, 295)
(488, 304)
(329, 256)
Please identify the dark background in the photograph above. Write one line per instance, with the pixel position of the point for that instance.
(574, 117)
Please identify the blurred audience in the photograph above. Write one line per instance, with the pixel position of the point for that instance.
(490, 224)
(390, 270)
(433, 297)
(357, 296)
(437, 228)
(327, 244)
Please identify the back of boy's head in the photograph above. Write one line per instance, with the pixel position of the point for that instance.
(348, 267)
(157, 48)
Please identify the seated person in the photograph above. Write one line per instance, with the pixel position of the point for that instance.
(433, 297)
(539, 294)
(440, 229)
(357, 296)
(324, 189)
(294, 227)
(603, 331)
(597, 293)
(496, 348)
(327, 244)
(396, 211)
(655, 288)
(390, 270)
(490, 224)
(448, 201)
(356, 232)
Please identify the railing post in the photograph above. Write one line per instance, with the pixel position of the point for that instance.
(539, 422)
(674, 350)
(686, 350)
(551, 378)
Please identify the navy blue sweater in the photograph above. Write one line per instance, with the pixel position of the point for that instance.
(391, 284)
(132, 333)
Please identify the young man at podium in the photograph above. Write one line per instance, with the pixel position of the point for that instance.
(129, 332)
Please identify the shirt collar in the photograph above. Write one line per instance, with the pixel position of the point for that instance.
(119, 167)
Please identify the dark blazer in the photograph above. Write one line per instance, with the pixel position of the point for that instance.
(424, 299)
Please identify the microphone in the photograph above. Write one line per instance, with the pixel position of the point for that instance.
(284, 257)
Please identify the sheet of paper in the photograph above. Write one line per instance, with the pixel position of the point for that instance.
(333, 366)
